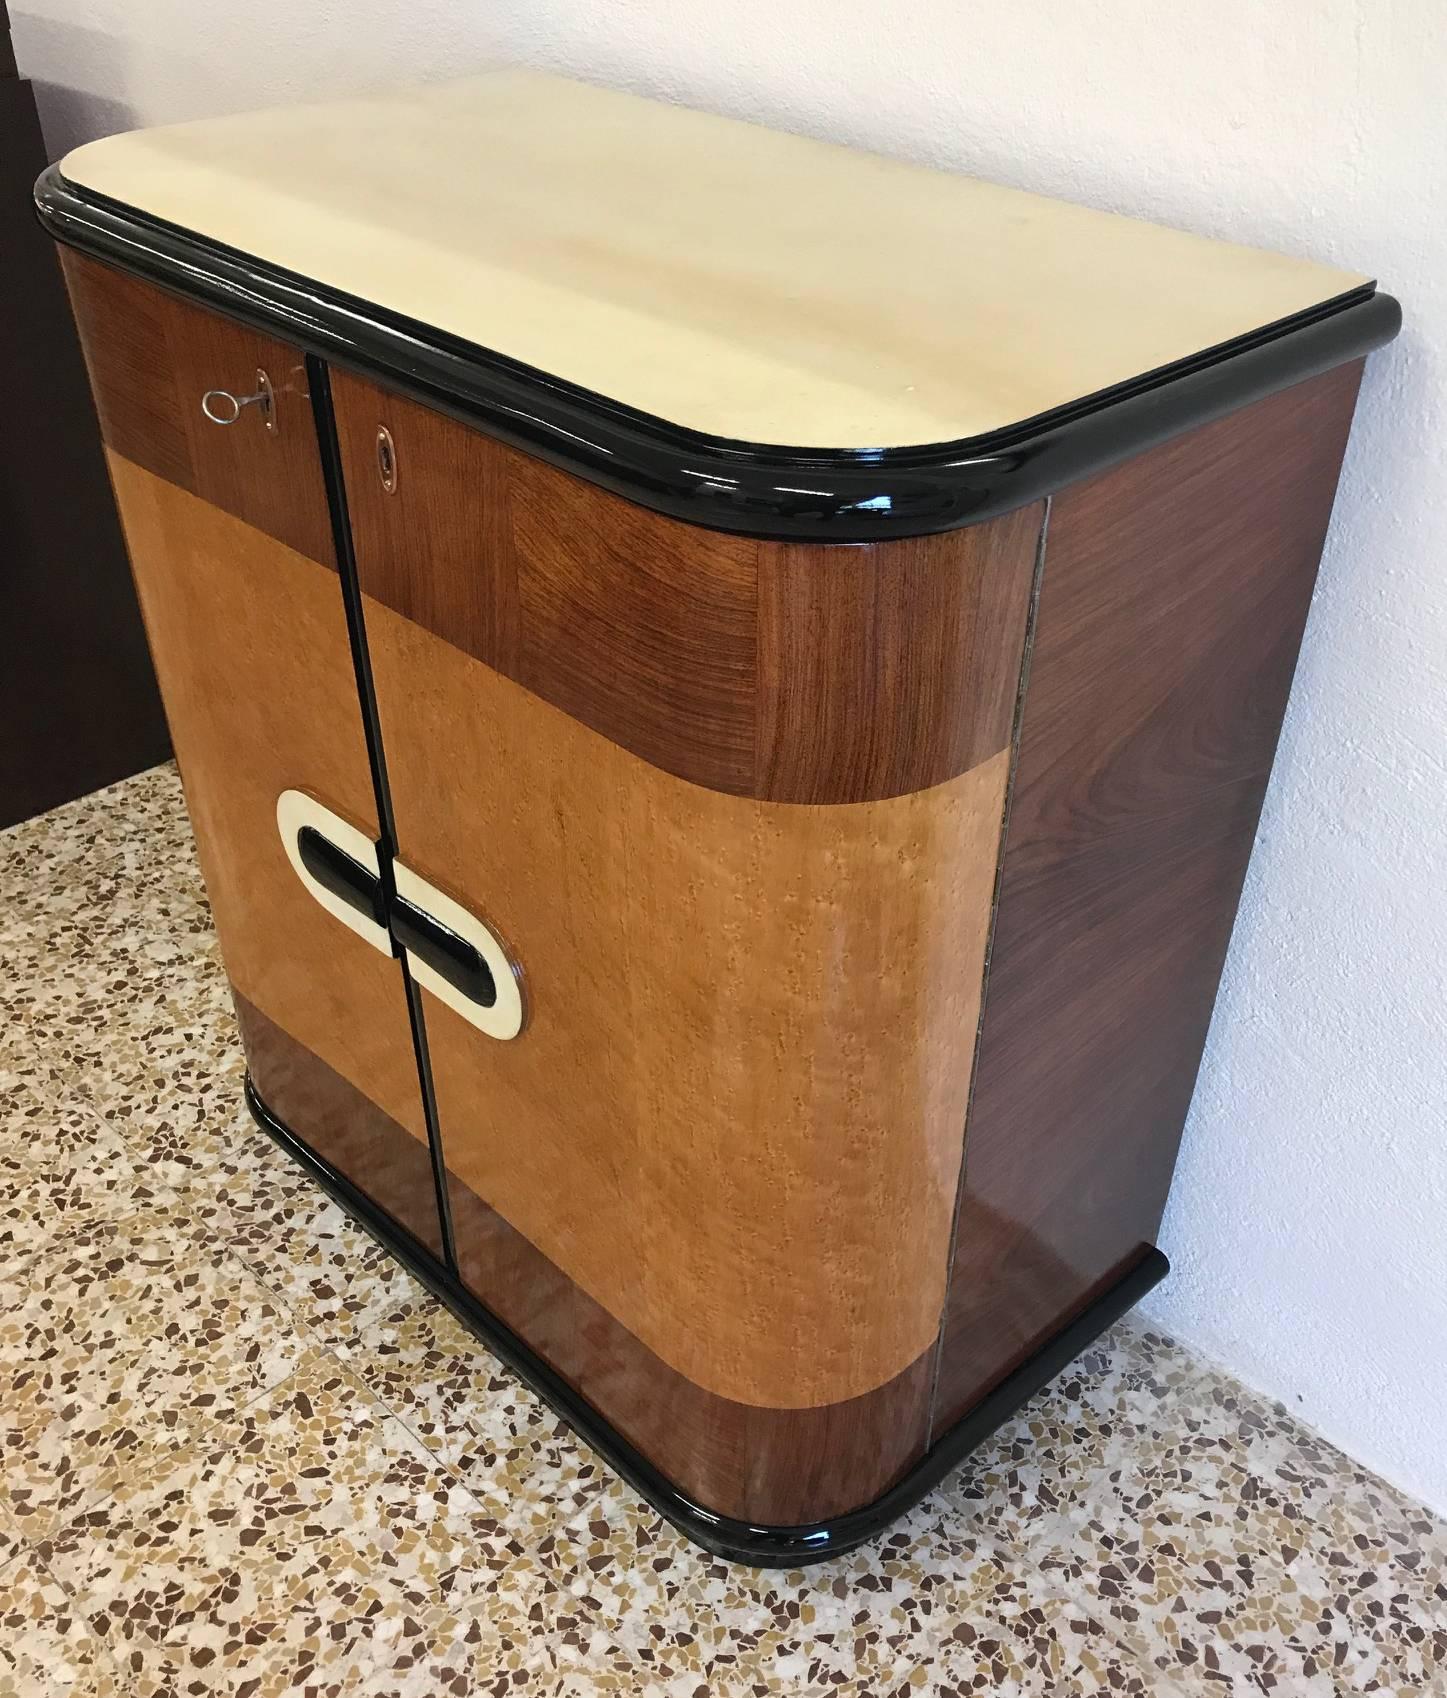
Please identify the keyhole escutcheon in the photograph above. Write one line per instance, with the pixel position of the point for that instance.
(386, 459)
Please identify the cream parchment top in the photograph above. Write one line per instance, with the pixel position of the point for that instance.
(725, 277)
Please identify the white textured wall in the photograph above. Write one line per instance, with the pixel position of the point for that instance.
(1308, 1225)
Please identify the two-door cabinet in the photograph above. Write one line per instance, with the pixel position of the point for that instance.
(724, 685)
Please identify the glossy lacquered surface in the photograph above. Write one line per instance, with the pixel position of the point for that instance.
(726, 484)
(1172, 602)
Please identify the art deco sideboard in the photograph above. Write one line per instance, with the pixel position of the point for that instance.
(724, 685)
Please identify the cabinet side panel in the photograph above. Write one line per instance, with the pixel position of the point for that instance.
(1173, 599)
(250, 643)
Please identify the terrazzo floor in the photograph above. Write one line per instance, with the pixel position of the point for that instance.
(245, 1453)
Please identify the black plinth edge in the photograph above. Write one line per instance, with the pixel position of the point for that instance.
(722, 1535)
(820, 495)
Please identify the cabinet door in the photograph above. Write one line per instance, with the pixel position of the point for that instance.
(231, 546)
(712, 1177)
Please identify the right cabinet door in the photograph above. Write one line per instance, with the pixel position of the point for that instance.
(709, 1171)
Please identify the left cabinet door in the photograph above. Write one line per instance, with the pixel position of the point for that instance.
(231, 546)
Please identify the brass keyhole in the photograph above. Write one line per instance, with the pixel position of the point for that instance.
(386, 459)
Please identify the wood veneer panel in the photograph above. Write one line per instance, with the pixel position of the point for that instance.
(250, 643)
(439, 549)
(785, 672)
(779, 1466)
(152, 357)
(341, 1124)
(886, 668)
(123, 327)
(638, 626)
(734, 1118)
(1173, 599)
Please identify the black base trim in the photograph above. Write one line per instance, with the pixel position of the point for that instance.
(722, 1535)
(755, 489)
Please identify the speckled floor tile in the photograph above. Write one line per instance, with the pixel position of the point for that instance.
(73, 880)
(186, 1127)
(11, 1542)
(1213, 1532)
(497, 1436)
(262, 1460)
(116, 1347)
(46, 1649)
(332, 1275)
(926, 1609)
(121, 1029)
(62, 1169)
(114, 990)
(930, 1607)
(308, 1539)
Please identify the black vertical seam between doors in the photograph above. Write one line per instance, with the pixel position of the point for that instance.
(319, 386)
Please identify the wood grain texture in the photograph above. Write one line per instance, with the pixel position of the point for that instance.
(1174, 596)
(78, 698)
(735, 1116)
(883, 668)
(250, 644)
(784, 672)
(341, 1124)
(153, 356)
(779, 1466)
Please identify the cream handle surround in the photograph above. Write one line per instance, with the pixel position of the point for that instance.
(449, 951)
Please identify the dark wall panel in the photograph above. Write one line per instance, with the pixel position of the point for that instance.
(78, 701)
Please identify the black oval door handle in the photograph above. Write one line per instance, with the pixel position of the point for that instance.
(347, 879)
(447, 954)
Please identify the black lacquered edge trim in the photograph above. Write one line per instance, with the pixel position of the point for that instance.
(824, 495)
(722, 1535)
